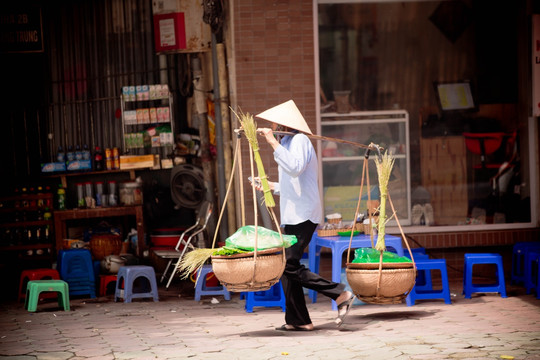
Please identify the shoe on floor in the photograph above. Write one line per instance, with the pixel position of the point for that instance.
(343, 309)
(289, 327)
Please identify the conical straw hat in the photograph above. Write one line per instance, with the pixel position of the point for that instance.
(286, 114)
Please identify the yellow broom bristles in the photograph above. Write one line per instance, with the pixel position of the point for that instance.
(194, 260)
(384, 169)
(250, 130)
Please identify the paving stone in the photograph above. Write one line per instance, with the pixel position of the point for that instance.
(54, 356)
(469, 355)
(484, 327)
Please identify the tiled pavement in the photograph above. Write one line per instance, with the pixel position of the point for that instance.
(177, 327)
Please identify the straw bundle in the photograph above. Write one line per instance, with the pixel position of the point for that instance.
(250, 130)
(195, 259)
(384, 166)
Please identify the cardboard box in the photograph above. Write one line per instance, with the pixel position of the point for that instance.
(79, 165)
(53, 167)
(136, 161)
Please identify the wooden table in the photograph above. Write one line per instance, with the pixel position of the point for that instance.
(62, 216)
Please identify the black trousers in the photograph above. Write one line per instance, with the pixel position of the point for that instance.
(296, 277)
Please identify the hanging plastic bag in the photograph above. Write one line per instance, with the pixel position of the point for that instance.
(370, 255)
(244, 238)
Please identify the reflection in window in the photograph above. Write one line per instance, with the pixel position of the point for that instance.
(392, 55)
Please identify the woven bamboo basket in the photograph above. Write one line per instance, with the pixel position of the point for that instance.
(102, 245)
(327, 232)
(396, 281)
(247, 272)
(334, 221)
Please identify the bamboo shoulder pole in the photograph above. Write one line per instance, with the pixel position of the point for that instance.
(226, 126)
(325, 138)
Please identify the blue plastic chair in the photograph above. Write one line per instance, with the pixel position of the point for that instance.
(483, 258)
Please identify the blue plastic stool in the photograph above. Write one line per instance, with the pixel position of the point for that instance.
(532, 263)
(128, 276)
(473, 259)
(76, 268)
(423, 277)
(417, 251)
(269, 298)
(519, 252)
(201, 288)
(537, 272)
(420, 292)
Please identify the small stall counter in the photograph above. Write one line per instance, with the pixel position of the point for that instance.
(61, 217)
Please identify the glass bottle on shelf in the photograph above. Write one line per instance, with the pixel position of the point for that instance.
(61, 197)
(47, 215)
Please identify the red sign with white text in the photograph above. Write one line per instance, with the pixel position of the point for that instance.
(169, 32)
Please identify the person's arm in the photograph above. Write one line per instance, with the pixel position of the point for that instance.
(258, 186)
(274, 143)
(295, 159)
(269, 137)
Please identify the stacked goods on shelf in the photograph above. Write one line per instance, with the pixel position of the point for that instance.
(148, 126)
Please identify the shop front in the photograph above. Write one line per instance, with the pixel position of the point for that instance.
(444, 86)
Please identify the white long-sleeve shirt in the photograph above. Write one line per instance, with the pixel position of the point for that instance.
(298, 186)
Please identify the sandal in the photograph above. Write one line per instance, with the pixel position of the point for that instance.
(343, 310)
(289, 327)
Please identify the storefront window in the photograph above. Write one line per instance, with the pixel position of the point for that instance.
(452, 68)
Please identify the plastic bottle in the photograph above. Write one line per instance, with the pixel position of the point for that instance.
(99, 193)
(113, 197)
(61, 155)
(98, 159)
(61, 197)
(78, 153)
(80, 195)
(70, 156)
(47, 215)
(108, 159)
(116, 158)
(48, 202)
(86, 153)
(40, 201)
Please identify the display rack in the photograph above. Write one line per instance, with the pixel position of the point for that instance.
(147, 120)
(25, 228)
(341, 164)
